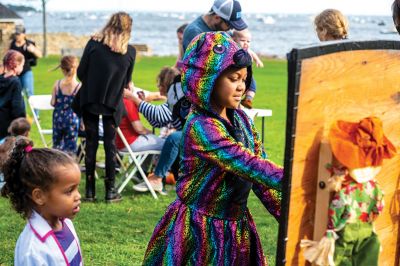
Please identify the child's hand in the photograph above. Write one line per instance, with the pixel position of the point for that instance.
(128, 94)
(259, 63)
(131, 86)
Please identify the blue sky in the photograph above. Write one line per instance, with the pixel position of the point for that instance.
(349, 7)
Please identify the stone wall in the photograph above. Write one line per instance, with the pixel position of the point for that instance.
(66, 43)
(6, 31)
(58, 41)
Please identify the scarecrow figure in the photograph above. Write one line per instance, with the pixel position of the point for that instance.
(359, 149)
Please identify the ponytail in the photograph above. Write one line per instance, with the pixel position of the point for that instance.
(26, 169)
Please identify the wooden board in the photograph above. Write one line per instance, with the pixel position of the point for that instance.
(347, 85)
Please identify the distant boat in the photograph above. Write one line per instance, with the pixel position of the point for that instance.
(388, 31)
(268, 20)
(381, 23)
(92, 17)
(68, 16)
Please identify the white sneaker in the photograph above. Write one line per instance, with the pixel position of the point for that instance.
(142, 187)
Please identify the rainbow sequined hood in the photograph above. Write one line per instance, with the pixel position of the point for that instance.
(206, 57)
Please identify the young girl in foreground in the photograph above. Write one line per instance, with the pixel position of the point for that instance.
(42, 185)
(221, 161)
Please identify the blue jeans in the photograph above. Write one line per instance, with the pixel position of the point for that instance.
(146, 142)
(1, 180)
(27, 83)
(169, 153)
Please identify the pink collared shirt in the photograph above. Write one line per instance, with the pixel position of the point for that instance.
(37, 244)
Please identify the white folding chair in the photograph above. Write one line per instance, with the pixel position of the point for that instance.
(42, 103)
(136, 160)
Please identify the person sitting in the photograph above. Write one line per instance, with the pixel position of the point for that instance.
(162, 115)
(11, 102)
(138, 137)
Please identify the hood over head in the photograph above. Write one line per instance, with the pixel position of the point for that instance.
(207, 56)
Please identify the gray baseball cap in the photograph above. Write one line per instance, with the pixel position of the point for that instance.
(231, 12)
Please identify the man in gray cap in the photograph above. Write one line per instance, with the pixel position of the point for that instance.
(223, 16)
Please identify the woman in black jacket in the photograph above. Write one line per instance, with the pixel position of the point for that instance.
(105, 69)
(11, 102)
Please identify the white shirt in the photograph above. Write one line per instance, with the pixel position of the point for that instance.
(37, 244)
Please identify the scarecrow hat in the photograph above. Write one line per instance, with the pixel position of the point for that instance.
(362, 144)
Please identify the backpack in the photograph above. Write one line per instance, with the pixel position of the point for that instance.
(178, 104)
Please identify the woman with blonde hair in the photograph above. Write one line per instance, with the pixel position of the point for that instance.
(331, 25)
(105, 70)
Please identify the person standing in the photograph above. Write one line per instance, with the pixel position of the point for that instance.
(105, 70)
(223, 16)
(31, 53)
(65, 121)
(331, 25)
(11, 102)
(222, 160)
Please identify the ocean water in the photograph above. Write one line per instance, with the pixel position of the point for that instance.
(273, 34)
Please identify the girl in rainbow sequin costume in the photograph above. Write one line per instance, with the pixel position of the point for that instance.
(221, 161)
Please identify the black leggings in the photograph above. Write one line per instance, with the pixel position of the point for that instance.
(91, 122)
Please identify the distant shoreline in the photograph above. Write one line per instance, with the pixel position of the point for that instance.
(58, 41)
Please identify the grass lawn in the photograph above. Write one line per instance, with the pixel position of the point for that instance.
(118, 234)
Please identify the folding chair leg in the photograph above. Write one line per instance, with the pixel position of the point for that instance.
(137, 164)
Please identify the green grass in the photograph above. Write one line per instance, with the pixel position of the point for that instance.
(118, 234)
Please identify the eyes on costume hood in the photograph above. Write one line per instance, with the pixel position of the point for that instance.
(207, 56)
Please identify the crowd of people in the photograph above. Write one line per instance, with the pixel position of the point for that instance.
(211, 145)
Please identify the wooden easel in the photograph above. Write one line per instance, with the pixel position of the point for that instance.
(323, 193)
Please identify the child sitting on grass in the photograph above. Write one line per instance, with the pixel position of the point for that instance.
(42, 186)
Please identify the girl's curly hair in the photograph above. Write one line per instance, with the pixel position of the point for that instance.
(26, 169)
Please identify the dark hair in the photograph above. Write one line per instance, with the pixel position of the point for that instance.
(27, 169)
(396, 14)
(5, 149)
(181, 28)
(19, 127)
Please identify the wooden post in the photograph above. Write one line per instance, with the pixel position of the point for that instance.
(323, 193)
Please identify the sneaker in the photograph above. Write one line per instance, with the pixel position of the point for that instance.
(247, 103)
(137, 179)
(142, 187)
(170, 179)
(101, 165)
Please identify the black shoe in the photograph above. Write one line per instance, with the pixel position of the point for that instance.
(112, 196)
(90, 189)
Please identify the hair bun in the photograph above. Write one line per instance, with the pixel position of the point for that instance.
(242, 58)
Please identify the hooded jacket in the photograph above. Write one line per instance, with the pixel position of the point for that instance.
(220, 162)
(215, 151)
(11, 102)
